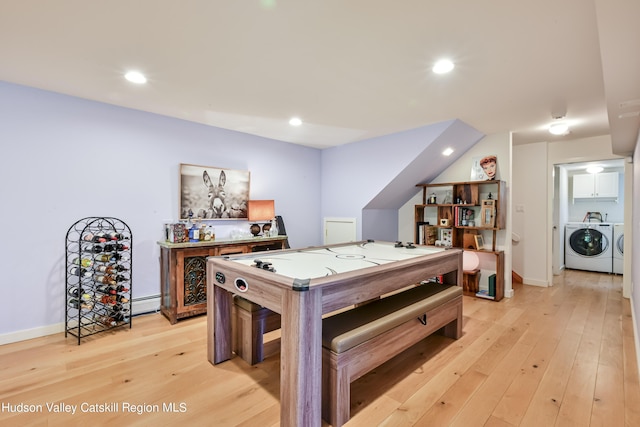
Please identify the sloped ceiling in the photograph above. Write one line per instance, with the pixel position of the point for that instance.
(426, 166)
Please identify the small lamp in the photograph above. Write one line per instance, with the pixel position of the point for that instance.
(260, 210)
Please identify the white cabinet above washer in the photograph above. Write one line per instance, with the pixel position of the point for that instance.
(596, 185)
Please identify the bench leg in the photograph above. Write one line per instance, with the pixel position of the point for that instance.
(454, 328)
(250, 328)
(336, 391)
(248, 338)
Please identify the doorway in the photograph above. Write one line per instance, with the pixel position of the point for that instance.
(571, 205)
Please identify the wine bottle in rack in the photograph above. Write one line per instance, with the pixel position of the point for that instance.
(120, 278)
(106, 321)
(116, 236)
(113, 299)
(76, 292)
(96, 249)
(107, 280)
(111, 268)
(90, 237)
(120, 298)
(106, 289)
(119, 316)
(110, 279)
(112, 247)
(84, 262)
(117, 306)
(113, 257)
(111, 289)
(80, 271)
(84, 303)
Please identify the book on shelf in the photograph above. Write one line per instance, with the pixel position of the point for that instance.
(427, 233)
(462, 214)
(484, 293)
(492, 285)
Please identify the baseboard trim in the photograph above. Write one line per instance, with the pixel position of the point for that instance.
(535, 282)
(27, 334)
(515, 277)
(634, 320)
(144, 305)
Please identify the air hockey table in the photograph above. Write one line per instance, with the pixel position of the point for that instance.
(302, 285)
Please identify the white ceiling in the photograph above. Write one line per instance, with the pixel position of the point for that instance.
(351, 70)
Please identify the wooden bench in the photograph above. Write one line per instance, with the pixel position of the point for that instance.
(252, 321)
(356, 341)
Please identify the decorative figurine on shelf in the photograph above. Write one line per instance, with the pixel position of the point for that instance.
(448, 198)
(255, 230)
(432, 199)
(266, 229)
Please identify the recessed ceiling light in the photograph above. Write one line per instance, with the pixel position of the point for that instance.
(443, 66)
(559, 128)
(295, 121)
(135, 77)
(595, 169)
(447, 152)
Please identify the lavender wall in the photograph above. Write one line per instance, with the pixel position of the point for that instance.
(66, 158)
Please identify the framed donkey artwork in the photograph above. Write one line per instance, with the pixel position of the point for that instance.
(208, 192)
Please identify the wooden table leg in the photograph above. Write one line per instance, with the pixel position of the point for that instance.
(301, 359)
(219, 325)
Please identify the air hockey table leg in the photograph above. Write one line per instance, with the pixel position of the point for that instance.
(219, 325)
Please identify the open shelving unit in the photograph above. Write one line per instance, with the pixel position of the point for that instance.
(464, 215)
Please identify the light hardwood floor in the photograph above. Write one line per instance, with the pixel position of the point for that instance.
(563, 356)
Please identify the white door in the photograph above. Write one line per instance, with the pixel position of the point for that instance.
(339, 230)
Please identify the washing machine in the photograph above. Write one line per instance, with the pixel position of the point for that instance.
(618, 248)
(588, 246)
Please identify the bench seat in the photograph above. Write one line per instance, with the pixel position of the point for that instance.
(358, 340)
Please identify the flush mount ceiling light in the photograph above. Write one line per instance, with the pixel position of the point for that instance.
(595, 169)
(559, 126)
(295, 121)
(447, 152)
(135, 77)
(443, 66)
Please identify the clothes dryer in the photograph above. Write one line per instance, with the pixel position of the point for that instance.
(588, 246)
(618, 248)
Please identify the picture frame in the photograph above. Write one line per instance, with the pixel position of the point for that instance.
(484, 168)
(487, 215)
(208, 192)
(479, 241)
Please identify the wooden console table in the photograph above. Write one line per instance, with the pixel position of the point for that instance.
(183, 278)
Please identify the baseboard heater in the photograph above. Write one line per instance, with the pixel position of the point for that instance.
(145, 305)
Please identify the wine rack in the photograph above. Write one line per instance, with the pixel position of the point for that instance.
(98, 276)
